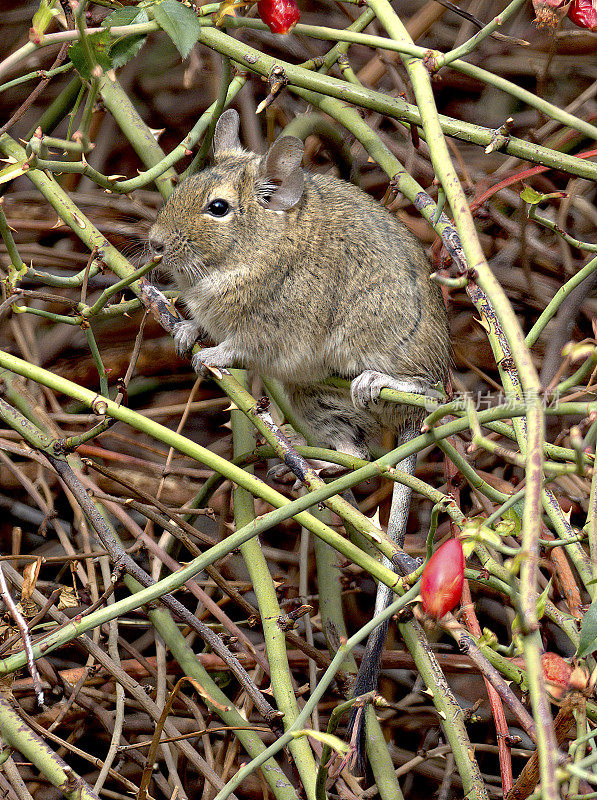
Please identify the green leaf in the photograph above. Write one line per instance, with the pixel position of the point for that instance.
(124, 16)
(126, 47)
(99, 44)
(588, 632)
(42, 18)
(512, 516)
(531, 196)
(180, 23)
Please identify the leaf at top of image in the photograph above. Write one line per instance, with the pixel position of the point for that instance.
(588, 632)
(126, 47)
(100, 47)
(180, 23)
(42, 19)
(129, 15)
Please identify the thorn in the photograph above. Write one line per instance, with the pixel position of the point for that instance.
(375, 519)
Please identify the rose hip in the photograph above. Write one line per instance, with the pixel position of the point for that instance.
(442, 579)
(584, 14)
(280, 15)
(557, 674)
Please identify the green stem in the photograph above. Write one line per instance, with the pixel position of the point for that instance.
(468, 46)
(18, 735)
(70, 214)
(351, 35)
(326, 752)
(218, 703)
(135, 130)
(557, 300)
(181, 150)
(591, 526)
(565, 531)
(530, 440)
(216, 109)
(326, 679)
(329, 589)
(63, 144)
(341, 48)
(452, 716)
(552, 226)
(469, 473)
(58, 108)
(6, 234)
(258, 488)
(379, 757)
(73, 281)
(104, 298)
(393, 107)
(265, 425)
(434, 58)
(579, 752)
(269, 609)
(31, 76)
(97, 359)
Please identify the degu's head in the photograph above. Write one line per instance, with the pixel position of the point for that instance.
(235, 201)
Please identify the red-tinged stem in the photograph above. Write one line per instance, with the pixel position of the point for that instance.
(497, 708)
(519, 176)
(466, 644)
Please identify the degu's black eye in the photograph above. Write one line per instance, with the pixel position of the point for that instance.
(218, 207)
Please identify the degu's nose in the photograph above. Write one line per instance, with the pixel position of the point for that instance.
(156, 243)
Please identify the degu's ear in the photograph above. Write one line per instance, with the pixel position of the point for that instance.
(226, 133)
(280, 183)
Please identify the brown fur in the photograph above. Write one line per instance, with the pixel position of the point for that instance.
(331, 285)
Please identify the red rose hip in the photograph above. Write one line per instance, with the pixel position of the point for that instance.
(442, 579)
(583, 13)
(280, 15)
(557, 674)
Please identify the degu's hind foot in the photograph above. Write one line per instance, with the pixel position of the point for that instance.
(325, 469)
(366, 387)
(282, 473)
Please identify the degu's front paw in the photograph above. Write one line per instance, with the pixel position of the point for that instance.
(219, 357)
(366, 387)
(186, 334)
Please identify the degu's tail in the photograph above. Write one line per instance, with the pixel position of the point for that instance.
(368, 675)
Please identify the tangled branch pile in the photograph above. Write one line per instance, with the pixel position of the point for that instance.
(178, 623)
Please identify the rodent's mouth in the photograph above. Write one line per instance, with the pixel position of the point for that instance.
(193, 270)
